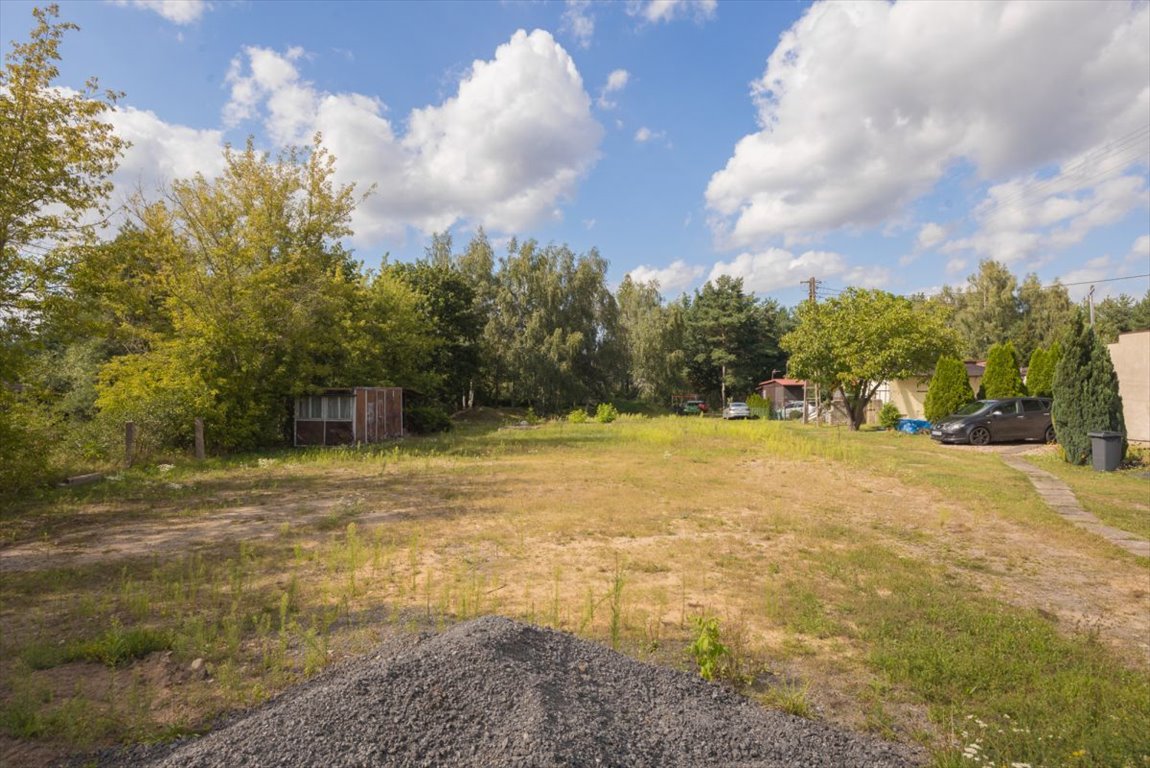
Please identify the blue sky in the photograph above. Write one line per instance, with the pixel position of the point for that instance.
(889, 145)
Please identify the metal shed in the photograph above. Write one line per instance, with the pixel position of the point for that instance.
(349, 416)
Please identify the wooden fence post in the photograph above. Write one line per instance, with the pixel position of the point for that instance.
(199, 439)
(129, 442)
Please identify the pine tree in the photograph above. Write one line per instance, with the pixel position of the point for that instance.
(1002, 378)
(949, 389)
(1085, 393)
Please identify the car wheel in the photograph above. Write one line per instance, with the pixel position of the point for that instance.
(1050, 436)
(980, 436)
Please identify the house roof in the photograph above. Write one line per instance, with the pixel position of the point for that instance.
(975, 367)
(783, 382)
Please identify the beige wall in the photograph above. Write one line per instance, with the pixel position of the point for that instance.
(909, 396)
(1131, 356)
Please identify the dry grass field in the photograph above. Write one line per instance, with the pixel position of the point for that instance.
(877, 580)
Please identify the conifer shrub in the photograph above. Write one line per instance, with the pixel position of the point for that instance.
(1002, 378)
(1040, 373)
(949, 389)
(1085, 393)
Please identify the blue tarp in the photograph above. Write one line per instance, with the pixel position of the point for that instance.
(912, 426)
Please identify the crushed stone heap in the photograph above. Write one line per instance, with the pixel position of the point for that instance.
(496, 692)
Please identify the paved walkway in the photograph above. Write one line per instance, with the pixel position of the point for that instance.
(1061, 499)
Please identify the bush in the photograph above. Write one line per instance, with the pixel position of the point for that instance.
(23, 445)
(888, 416)
(760, 406)
(1085, 393)
(606, 413)
(1002, 378)
(425, 419)
(578, 416)
(949, 388)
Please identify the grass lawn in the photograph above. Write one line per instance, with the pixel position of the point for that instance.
(876, 580)
(1120, 499)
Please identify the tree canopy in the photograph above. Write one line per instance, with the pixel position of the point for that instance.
(855, 341)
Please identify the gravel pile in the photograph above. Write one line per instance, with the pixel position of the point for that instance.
(495, 692)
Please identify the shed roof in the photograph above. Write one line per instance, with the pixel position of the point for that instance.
(784, 382)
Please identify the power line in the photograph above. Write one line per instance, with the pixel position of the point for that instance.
(1092, 160)
(1092, 282)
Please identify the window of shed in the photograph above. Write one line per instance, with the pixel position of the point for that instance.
(309, 407)
(338, 407)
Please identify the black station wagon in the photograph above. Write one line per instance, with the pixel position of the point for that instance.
(986, 421)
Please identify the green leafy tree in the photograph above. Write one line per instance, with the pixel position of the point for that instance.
(449, 311)
(854, 342)
(987, 310)
(653, 338)
(262, 302)
(1002, 377)
(1115, 315)
(553, 328)
(949, 388)
(1086, 395)
(57, 153)
(1044, 315)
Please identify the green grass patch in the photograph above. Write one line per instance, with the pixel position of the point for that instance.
(118, 646)
(1120, 499)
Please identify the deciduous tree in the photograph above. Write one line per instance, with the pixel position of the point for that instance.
(861, 338)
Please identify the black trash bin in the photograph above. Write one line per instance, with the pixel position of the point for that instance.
(1106, 450)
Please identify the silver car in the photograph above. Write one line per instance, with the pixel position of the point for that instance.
(737, 411)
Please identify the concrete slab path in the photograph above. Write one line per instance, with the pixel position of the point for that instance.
(1061, 499)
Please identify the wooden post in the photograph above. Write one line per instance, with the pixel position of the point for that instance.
(129, 442)
(199, 439)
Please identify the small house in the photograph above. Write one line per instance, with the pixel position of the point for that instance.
(349, 416)
(779, 392)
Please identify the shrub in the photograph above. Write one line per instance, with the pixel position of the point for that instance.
(760, 406)
(578, 416)
(707, 650)
(949, 388)
(1085, 393)
(888, 416)
(606, 413)
(1039, 373)
(425, 419)
(1002, 378)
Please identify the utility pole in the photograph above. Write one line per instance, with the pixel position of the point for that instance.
(812, 285)
(1090, 298)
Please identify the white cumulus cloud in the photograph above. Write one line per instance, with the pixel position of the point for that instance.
(656, 11)
(616, 82)
(175, 11)
(161, 152)
(579, 22)
(776, 268)
(930, 235)
(864, 106)
(504, 151)
(673, 278)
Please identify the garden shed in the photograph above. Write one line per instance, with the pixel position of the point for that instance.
(349, 416)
